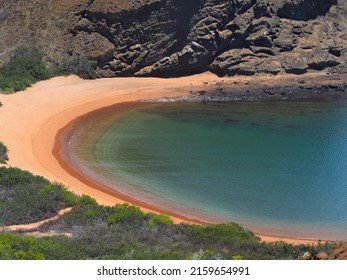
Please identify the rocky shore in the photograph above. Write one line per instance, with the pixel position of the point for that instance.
(317, 86)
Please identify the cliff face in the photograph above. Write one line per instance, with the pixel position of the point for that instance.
(178, 37)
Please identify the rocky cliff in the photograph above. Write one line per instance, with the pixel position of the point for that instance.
(178, 37)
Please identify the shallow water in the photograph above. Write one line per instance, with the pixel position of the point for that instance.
(279, 168)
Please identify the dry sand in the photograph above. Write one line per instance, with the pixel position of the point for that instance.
(30, 121)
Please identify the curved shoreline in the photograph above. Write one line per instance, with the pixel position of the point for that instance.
(31, 134)
(62, 138)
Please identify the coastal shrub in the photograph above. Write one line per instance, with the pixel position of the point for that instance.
(125, 213)
(222, 233)
(78, 65)
(24, 68)
(17, 247)
(206, 255)
(25, 198)
(14, 247)
(159, 219)
(118, 232)
(3, 153)
(86, 200)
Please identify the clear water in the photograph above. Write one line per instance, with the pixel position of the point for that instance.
(279, 168)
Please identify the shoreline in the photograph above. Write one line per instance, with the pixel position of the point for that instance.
(59, 101)
(61, 155)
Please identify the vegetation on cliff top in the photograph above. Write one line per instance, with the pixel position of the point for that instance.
(118, 232)
(26, 67)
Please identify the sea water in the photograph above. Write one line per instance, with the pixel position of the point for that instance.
(278, 168)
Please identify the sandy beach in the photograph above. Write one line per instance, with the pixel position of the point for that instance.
(30, 122)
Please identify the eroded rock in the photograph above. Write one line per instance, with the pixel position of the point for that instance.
(168, 38)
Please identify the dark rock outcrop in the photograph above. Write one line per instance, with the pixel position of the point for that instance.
(177, 37)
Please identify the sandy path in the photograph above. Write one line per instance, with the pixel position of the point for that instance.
(30, 120)
(34, 226)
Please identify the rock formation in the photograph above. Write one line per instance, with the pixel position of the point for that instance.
(339, 253)
(168, 38)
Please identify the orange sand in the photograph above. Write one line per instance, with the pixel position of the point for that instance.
(34, 226)
(30, 120)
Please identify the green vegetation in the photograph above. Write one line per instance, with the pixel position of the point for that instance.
(26, 67)
(3, 153)
(78, 65)
(118, 232)
(25, 198)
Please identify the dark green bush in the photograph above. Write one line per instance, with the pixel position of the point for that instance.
(222, 233)
(24, 68)
(3, 153)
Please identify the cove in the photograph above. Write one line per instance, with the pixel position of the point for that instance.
(278, 168)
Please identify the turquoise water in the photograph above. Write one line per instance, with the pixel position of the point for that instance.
(279, 168)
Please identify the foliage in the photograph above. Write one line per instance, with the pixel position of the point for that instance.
(25, 198)
(160, 219)
(3, 153)
(222, 233)
(118, 232)
(78, 65)
(125, 213)
(26, 67)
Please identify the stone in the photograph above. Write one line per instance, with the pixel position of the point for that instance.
(94, 46)
(285, 40)
(293, 62)
(321, 59)
(167, 38)
(303, 9)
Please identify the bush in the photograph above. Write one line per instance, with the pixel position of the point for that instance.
(3, 153)
(222, 233)
(119, 232)
(160, 219)
(78, 65)
(24, 68)
(26, 198)
(125, 213)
